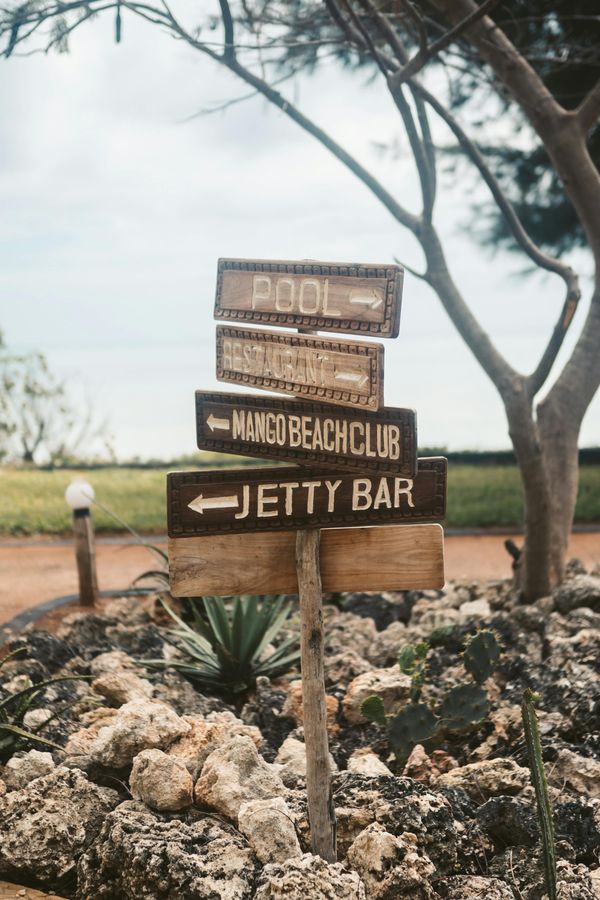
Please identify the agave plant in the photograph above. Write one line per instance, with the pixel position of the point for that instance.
(13, 708)
(229, 647)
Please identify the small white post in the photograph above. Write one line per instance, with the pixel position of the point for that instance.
(79, 495)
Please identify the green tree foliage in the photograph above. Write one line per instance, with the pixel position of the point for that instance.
(560, 39)
(39, 420)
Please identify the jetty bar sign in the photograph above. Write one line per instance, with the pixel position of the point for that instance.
(264, 499)
(340, 297)
(346, 373)
(307, 433)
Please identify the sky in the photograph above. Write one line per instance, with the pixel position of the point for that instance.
(117, 199)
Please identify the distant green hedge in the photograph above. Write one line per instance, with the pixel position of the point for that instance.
(33, 501)
(588, 456)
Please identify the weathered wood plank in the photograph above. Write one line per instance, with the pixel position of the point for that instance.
(340, 297)
(242, 500)
(346, 373)
(312, 434)
(402, 557)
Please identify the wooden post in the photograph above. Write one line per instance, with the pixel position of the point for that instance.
(85, 554)
(321, 812)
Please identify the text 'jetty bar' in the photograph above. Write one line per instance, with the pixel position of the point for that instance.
(278, 497)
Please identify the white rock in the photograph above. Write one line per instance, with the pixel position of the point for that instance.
(112, 661)
(269, 827)
(308, 878)
(292, 756)
(364, 762)
(21, 770)
(488, 778)
(161, 782)
(475, 609)
(139, 725)
(208, 734)
(580, 773)
(390, 684)
(34, 718)
(595, 880)
(390, 866)
(122, 687)
(235, 774)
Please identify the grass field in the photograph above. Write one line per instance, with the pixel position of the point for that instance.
(32, 501)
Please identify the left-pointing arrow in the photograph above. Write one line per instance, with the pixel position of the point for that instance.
(213, 422)
(201, 503)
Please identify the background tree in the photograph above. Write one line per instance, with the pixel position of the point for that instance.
(39, 420)
(266, 41)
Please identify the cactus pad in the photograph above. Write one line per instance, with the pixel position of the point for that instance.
(415, 723)
(372, 709)
(481, 655)
(463, 706)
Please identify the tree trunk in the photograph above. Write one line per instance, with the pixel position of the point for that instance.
(559, 439)
(534, 570)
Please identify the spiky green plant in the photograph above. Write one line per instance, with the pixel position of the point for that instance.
(538, 779)
(464, 705)
(14, 705)
(228, 647)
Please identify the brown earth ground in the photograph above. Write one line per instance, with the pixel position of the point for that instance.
(34, 570)
(16, 892)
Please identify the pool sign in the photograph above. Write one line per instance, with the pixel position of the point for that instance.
(307, 433)
(341, 297)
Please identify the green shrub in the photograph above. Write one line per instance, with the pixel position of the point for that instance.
(226, 648)
(463, 706)
(14, 705)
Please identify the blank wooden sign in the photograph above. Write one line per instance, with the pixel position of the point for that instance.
(342, 297)
(394, 557)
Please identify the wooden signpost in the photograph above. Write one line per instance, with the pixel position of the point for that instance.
(345, 298)
(307, 433)
(259, 530)
(346, 373)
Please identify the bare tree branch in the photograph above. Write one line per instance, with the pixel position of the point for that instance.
(428, 52)
(417, 147)
(588, 110)
(229, 43)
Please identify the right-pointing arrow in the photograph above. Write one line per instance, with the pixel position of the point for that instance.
(213, 422)
(353, 376)
(373, 302)
(201, 503)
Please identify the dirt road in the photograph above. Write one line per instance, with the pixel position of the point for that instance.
(34, 570)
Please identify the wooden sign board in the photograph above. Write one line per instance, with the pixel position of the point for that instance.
(346, 373)
(267, 499)
(393, 558)
(308, 433)
(340, 297)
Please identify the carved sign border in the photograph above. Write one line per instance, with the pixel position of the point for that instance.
(389, 328)
(373, 353)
